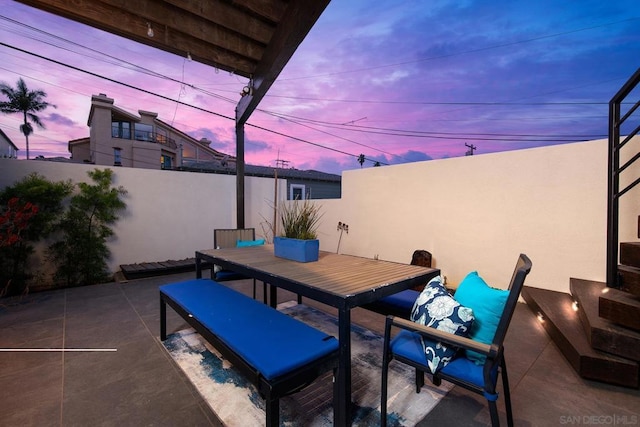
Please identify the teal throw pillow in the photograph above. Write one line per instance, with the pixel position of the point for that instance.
(247, 243)
(436, 308)
(487, 304)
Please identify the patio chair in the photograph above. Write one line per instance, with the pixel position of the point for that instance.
(228, 238)
(401, 303)
(473, 362)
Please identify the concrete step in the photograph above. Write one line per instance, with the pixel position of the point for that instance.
(603, 334)
(621, 308)
(564, 326)
(629, 279)
(630, 254)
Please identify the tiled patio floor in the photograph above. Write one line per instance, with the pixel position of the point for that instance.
(139, 385)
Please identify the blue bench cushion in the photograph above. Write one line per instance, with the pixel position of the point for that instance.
(270, 341)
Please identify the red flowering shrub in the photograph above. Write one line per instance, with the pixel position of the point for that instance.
(14, 220)
(29, 212)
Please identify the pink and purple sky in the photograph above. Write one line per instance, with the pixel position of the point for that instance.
(396, 81)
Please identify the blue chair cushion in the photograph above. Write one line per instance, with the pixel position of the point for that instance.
(408, 345)
(403, 300)
(487, 304)
(469, 371)
(246, 243)
(270, 341)
(436, 308)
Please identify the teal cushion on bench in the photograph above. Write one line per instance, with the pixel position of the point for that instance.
(270, 341)
(247, 243)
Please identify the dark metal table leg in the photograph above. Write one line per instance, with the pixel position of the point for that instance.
(343, 412)
(163, 319)
(199, 267)
(273, 296)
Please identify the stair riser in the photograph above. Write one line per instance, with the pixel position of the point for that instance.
(620, 313)
(630, 254)
(629, 279)
(603, 334)
(594, 369)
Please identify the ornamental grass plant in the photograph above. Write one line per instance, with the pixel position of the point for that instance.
(300, 219)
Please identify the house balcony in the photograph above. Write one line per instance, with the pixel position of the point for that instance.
(146, 136)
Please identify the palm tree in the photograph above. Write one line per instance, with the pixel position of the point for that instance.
(22, 100)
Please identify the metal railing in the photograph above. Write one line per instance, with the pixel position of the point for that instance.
(616, 142)
(147, 136)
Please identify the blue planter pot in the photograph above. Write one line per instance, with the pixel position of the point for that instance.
(296, 249)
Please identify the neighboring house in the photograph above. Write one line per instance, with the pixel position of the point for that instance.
(119, 138)
(301, 184)
(8, 149)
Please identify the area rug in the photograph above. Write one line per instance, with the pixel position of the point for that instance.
(237, 403)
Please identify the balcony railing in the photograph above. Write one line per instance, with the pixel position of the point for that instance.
(147, 136)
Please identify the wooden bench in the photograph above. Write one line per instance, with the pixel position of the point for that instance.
(277, 353)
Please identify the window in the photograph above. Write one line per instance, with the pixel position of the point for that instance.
(166, 162)
(297, 192)
(143, 132)
(117, 156)
(121, 130)
(161, 136)
(189, 151)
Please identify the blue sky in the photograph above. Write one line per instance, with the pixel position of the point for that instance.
(395, 81)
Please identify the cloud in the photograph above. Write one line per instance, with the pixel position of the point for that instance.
(60, 120)
(501, 75)
(411, 156)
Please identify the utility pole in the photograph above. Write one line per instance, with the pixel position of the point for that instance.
(470, 150)
(279, 163)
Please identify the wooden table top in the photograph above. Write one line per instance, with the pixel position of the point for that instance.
(338, 274)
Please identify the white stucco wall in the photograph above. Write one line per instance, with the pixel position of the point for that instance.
(169, 214)
(471, 213)
(480, 212)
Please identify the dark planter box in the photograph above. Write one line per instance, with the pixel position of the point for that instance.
(296, 249)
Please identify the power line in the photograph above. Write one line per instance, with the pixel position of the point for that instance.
(361, 129)
(507, 103)
(416, 133)
(170, 99)
(284, 117)
(114, 81)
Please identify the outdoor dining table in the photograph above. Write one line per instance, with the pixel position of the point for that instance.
(337, 280)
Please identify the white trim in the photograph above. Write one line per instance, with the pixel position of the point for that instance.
(301, 187)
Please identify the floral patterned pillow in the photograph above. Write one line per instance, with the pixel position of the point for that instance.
(436, 308)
